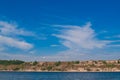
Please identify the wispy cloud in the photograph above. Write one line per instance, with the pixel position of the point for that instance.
(117, 36)
(74, 37)
(2, 48)
(54, 45)
(81, 43)
(9, 33)
(12, 29)
(11, 42)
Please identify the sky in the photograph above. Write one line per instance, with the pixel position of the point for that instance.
(59, 30)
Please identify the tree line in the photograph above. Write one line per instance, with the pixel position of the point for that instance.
(11, 62)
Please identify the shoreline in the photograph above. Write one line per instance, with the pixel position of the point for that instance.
(76, 66)
(64, 71)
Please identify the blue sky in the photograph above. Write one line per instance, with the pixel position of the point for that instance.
(53, 30)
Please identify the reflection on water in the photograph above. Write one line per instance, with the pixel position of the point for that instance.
(59, 76)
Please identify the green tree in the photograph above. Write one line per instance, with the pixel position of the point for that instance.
(49, 68)
(104, 62)
(57, 63)
(35, 63)
(76, 62)
(110, 65)
(11, 62)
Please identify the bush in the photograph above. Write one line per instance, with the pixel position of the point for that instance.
(16, 69)
(57, 63)
(76, 62)
(49, 68)
(88, 69)
(35, 63)
(104, 62)
(95, 62)
(118, 61)
(110, 65)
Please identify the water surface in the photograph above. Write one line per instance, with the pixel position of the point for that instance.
(59, 75)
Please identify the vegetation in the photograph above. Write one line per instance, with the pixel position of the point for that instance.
(110, 65)
(49, 68)
(16, 69)
(35, 63)
(76, 62)
(118, 61)
(11, 62)
(57, 63)
(88, 69)
(100, 65)
(104, 62)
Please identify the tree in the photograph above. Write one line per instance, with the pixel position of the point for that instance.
(49, 68)
(11, 62)
(76, 62)
(35, 63)
(57, 63)
(104, 62)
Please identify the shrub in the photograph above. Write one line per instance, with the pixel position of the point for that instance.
(16, 69)
(35, 63)
(49, 68)
(104, 62)
(110, 65)
(57, 63)
(88, 69)
(118, 61)
(76, 62)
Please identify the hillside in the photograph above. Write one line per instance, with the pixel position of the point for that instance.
(77, 66)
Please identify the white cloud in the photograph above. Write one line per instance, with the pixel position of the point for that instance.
(114, 45)
(2, 48)
(74, 37)
(81, 42)
(12, 29)
(10, 34)
(113, 36)
(54, 45)
(11, 42)
(117, 36)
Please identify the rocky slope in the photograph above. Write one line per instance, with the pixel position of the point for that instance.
(73, 66)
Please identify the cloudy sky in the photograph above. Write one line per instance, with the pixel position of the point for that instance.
(53, 30)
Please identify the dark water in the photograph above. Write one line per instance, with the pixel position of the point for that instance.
(59, 75)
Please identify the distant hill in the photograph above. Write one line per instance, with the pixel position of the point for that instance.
(73, 66)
